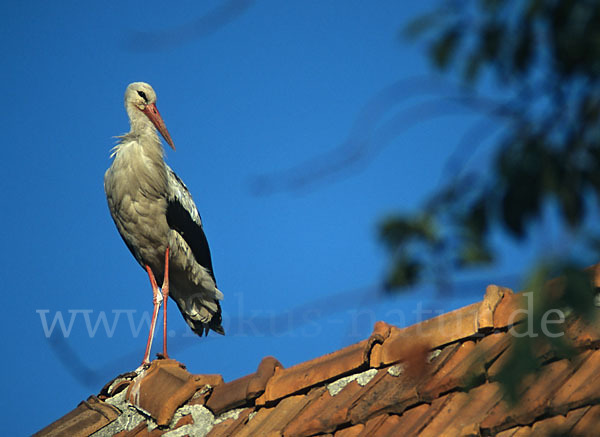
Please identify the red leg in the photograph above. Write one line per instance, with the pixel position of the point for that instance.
(156, 300)
(165, 295)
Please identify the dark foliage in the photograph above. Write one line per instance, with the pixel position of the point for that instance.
(533, 67)
(538, 62)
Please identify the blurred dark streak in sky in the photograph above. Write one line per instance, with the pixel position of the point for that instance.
(159, 40)
(476, 135)
(73, 363)
(375, 127)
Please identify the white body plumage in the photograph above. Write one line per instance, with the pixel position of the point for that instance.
(153, 210)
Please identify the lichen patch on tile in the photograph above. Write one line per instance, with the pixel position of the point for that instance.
(361, 378)
(396, 370)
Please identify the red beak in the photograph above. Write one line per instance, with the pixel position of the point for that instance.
(154, 116)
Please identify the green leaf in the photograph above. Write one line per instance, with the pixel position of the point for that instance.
(572, 206)
(421, 24)
(405, 272)
(492, 5)
(443, 50)
(473, 253)
(523, 51)
(472, 67)
(399, 230)
(521, 201)
(492, 37)
(579, 292)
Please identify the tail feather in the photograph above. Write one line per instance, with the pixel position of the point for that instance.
(201, 313)
(202, 328)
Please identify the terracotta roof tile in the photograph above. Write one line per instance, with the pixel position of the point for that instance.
(375, 359)
(242, 391)
(417, 418)
(553, 426)
(436, 378)
(588, 424)
(266, 369)
(463, 410)
(230, 427)
(509, 432)
(352, 431)
(162, 388)
(416, 361)
(583, 334)
(464, 366)
(411, 421)
(558, 425)
(229, 395)
(534, 401)
(458, 371)
(87, 418)
(542, 351)
(439, 357)
(206, 379)
(116, 385)
(117, 388)
(141, 431)
(388, 428)
(325, 413)
(523, 431)
(201, 396)
(281, 415)
(381, 331)
(492, 346)
(396, 388)
(386, 394)
(506, 313)
(373, 425)
(595, 272)
(255, 420)
(498, 365)
(185, 420)
(583, 387)
(310, 373)
(491, 300)
(436, 332)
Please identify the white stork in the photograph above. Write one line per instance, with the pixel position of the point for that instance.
(158, 220)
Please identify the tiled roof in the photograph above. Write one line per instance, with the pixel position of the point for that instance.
(435, 378)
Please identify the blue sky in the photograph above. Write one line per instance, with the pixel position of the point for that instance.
(278, 86)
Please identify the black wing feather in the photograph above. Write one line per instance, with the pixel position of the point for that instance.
(180, 220)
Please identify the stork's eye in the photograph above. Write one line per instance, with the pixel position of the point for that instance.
(143, 96)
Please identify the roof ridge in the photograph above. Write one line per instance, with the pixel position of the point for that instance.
(438, 374)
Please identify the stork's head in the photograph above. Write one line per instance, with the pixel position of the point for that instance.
(140, 99)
